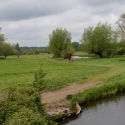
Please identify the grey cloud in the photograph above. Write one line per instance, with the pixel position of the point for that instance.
(103, 7)
(19, 10)
(100, 2)
(29, 22)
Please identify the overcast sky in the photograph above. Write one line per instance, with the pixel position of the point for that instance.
(29, 22)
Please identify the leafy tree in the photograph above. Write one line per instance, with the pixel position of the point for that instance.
(121, 27)
(7, 49)
(120, 48)
(2, 37)
(99, 40)
(17, 50)
(60, 40)
(76, 46)
(67, 53)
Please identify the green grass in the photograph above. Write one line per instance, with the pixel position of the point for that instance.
(94, 94)
(59, 72)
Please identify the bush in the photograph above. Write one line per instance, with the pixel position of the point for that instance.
(23, 106)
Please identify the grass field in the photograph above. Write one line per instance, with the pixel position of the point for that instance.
(59, 72)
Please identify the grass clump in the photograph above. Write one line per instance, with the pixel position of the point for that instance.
(69, 97)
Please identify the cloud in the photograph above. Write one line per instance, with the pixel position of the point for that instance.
(29, 22)
(15, 10)
(102, 3)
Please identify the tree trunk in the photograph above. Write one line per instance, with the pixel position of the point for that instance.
(100, 55)
(18, 55)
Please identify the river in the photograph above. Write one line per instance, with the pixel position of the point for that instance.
(77, 57)
(109, 111)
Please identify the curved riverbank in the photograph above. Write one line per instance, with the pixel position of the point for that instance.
(88, 96)
(106, 111)
(96, 93)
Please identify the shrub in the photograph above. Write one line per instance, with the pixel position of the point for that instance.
(23, 106)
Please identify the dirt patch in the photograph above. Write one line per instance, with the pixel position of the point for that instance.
(57, 99)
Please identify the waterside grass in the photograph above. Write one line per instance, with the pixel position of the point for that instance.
(94, 94)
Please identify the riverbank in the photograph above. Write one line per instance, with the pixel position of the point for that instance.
(96, 93)
(60, 74)
(56, 101)
(65, 108)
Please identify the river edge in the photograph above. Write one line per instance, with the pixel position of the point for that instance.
(88, 96)
(95, 106)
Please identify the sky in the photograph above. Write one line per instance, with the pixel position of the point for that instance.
(29, 22)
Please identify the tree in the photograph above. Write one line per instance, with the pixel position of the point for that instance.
(76, 46)
(68, 52)
(99, 40)
(60, 39)
(120, 47)
(121, 27)
(2, 37)
(7, 49)
(17, 50)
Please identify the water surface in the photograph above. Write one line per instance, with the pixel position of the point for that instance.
(109, 111)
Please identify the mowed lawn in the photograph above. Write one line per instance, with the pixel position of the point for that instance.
(59, 72)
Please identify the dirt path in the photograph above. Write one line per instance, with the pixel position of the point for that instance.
(56, 99)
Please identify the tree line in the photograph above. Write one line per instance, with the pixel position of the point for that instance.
(100, 40)
(6, 48)
(25, 50)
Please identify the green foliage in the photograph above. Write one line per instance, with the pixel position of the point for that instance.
(23, 106)
(26, 116)
(76, 46)
(99, 40)
(2, 37)
(17, 50)
(7, 49)
(59, 43)
(68, 51)
(121, 27)
(94, 94)
(33, 50)
(69, 97)
(120, 50)
(38, 83)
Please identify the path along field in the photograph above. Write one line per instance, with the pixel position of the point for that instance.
(79, 75)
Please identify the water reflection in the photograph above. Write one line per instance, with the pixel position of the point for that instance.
(77, 57)
(109, 111)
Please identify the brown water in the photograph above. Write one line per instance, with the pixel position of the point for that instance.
(109, 111)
